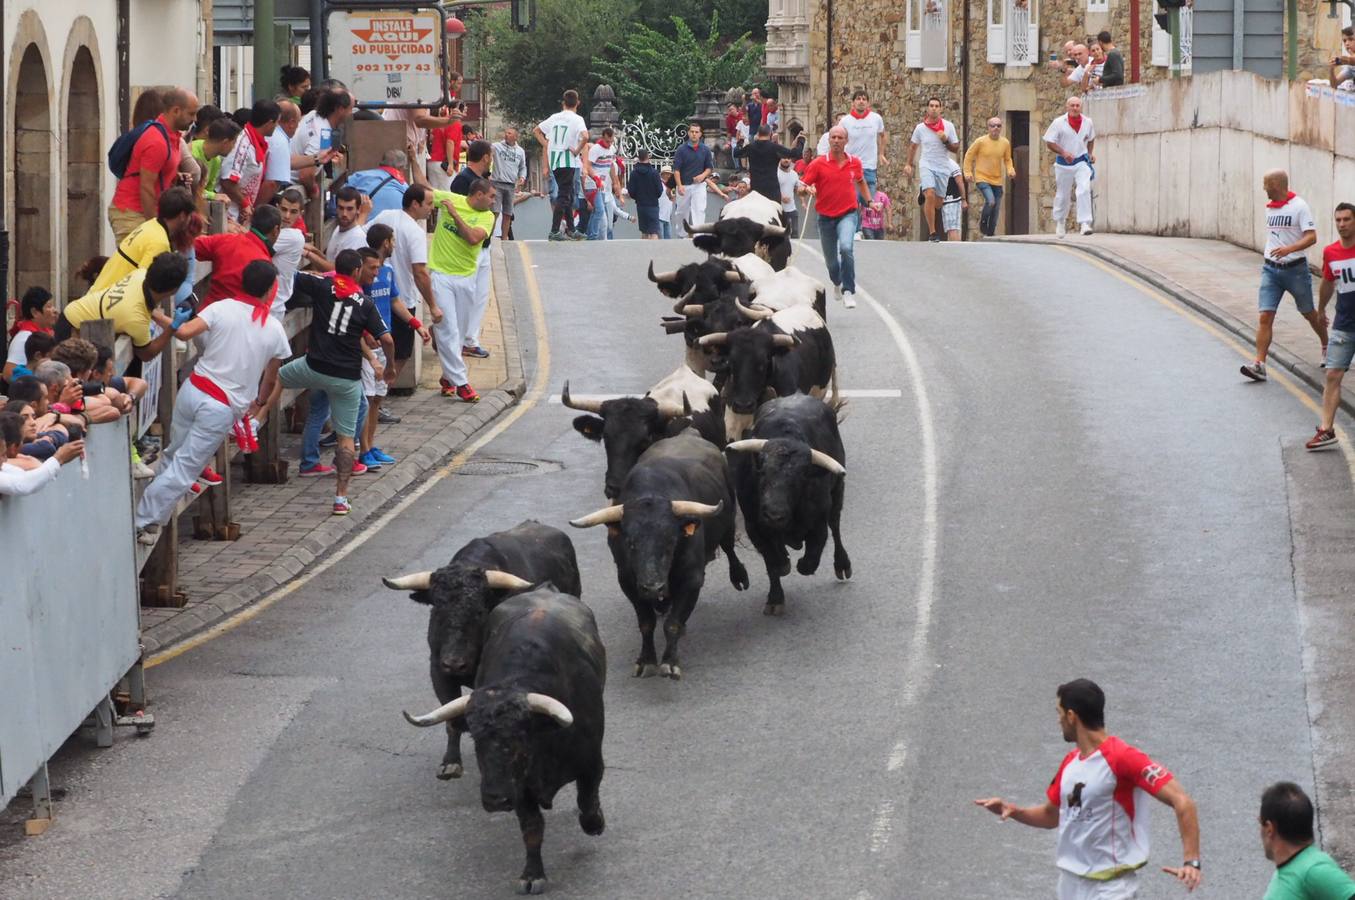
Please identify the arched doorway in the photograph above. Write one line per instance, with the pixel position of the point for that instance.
(84, 217)
(32, 175)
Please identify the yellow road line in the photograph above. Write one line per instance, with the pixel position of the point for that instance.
(1305, 397)
(534, 395)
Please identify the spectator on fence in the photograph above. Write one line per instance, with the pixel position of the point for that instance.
(1112, 73)
(105, 372)
(314, 137)
(217, 141)
(80, 356)
(37, 348)
(508, 174)
(153, 164)
(985, 162)
(1096, 64)
(230, 253)
(133, 303)
(753, 110)
(175, 211)
(413, 284)
(242, 171)
(332, 366)
(444, 153)
(771, 117)
(17, 477)
(385, 184)
(234, 378)
(1077, 78)
(564, 137)
(646, 189)
(66, 399)
(1065, 63)
(294, 81)
(38, 314)
(788, 180)
(764, 157)
(277, 173)
(36, 444)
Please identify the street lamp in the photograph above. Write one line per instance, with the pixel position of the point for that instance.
(1332, 4)
(455, 28)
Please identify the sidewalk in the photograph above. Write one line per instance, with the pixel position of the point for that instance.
(1218, 280)
(284, 528)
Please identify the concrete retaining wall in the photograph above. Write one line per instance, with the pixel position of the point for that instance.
(1185, 157)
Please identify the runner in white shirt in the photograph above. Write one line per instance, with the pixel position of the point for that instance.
(936, 140)
(1098, 803)
(410, 263)
(1290, 230)
(241, 343)
(602, 164)
(788, 180)
(565, 137)
(1070, 138)
(866, 136)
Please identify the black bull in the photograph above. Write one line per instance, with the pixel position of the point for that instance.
(675, 510)
(736, 236)
(536, 715)
(462, 593)
(789, 476)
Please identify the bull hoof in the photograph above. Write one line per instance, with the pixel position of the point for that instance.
(806, 566)
(739, 578)
(646, 670)
(843, 570)
(670, 670)
(782, 569)
(532, 885)
(774, 609)
(592, 822)
(448, 771)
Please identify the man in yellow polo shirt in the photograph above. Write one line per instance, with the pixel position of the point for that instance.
(984, 163)
(173, 212)
(132, 304)
(463, 224)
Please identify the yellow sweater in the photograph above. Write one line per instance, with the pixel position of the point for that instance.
(986, 158)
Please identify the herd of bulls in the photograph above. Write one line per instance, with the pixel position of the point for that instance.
(505, 618)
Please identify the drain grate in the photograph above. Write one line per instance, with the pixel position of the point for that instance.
(507, 467)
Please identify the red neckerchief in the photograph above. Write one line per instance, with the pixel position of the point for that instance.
(394, 173)
(857, 115)
(1074, 122)
(28, 325)
(259, 141)
(1276, 204)
(344, 286)
(939, 127)
(605, 144)
(258, 308)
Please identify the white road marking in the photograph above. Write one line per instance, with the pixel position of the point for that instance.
(918, 668)
(850, 394)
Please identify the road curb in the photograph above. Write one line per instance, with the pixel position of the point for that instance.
(446, 443)
(1305, 372)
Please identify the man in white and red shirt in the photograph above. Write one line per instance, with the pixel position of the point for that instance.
(241, 343)
(1338, 277)
(1097, 802)
(837, 182)
(243, 169)
(1071, 139)
(1290, 231)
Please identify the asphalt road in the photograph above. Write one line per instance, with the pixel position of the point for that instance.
(1073, 480)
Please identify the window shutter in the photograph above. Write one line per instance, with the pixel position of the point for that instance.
(912, 42)
(997, 35)
(1162, 50)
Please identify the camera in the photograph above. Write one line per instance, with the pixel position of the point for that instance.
(92, 388)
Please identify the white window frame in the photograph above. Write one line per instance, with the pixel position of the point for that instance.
(1162, 43)
(1001, 49)
(1098, 6)
(936, 11)
(912, 41)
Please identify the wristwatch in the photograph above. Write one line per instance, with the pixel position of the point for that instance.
(1193, 863)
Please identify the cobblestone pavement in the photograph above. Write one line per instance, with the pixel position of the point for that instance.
(285, 527)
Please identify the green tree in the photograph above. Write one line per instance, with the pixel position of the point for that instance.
(525, 72)
(736, 16)
(658, 76)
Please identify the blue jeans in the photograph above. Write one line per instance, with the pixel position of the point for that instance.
(315, 423)
(600, 223)
(870, 183)
(1276, 281)
(186, 288)
(665, 229)
(992, 201)
(835, 237)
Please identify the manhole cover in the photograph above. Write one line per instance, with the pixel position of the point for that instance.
(508, 467)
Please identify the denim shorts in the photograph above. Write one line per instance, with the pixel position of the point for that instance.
(1340, 349)
(1275, 281)
(932, 180)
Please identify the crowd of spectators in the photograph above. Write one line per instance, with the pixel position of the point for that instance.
(1091, 65)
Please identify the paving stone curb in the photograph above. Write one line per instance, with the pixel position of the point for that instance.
(327, 537)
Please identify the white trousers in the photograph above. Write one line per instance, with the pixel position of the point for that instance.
(455, 294)
(1072, 887)
(439, 179)
(1073, 178)
(471, 335)
(691, 207)
(200, 425)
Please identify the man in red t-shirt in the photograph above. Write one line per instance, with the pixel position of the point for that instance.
(836, 180)
(153, 166)
(1338, 277)
(230, 253)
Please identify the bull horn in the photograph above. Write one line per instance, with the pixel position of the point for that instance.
(784, 340)
(773, 231)
(735, 276)
(824, 461)
(714, 339)
(684, 300)
(700, 229)
(670, 410)
(693, 310)
(444, 713)
(692, 509)
(416, 581)
(747, 445)
(609, 515)
(592, 406)
(661, 279)
(755, 314)
(549, 706)
(504, 581)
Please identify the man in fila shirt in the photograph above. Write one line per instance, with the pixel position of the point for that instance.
(1096, 803)
(1338, 277)
(1071, 138)
(1290, 230)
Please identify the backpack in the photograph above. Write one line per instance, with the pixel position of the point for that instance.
(120, 154)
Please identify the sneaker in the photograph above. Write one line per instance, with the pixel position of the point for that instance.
(1255, 371)
(359, 468)
(467, 393)
(849, 299)
(577, 236)
(319, 470)
(342, 507)
(195, 488)
(329, 439)
(386, 418)
(1086, 229)
(141, 470)
(148, 536)
(448, 391)
(555, 236)
(370, 461)
(210, 476)
(382, 455)
(837, 292)
(936, 237)
(859, 236)
(1059, 229)
(477, 351)
(1323, 440)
